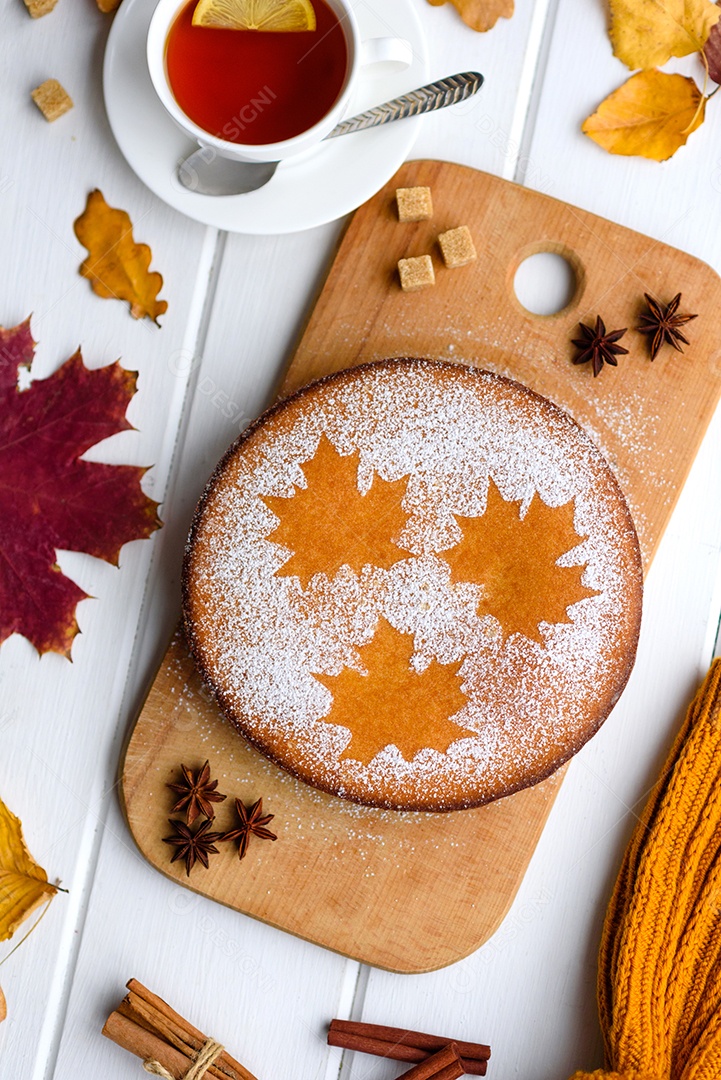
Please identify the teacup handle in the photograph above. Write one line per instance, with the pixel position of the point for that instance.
(386, 55)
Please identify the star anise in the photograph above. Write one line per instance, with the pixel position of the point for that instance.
(664, 322)
(193, 846)
(252, 822)
(598, 346)
(197, 793)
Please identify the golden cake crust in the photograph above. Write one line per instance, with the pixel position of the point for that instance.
(414, 584)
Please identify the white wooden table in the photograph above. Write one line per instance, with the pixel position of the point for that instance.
(236, 304)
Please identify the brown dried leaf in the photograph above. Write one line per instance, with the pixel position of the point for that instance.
(646, 33)
(117, 267)
(480, 14)
(24, 885)
(651, 116)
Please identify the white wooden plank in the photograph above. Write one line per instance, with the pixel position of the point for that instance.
(487, 130)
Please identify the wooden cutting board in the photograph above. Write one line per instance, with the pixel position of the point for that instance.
(414, 892)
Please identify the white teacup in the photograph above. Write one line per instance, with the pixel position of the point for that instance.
(383, 53)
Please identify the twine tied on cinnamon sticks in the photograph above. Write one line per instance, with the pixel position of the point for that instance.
(170, 1047)
(208, 1054)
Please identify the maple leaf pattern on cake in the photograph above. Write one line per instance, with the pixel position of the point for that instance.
(393, 704)
(330, 524)
(49, 498)
(503, 552)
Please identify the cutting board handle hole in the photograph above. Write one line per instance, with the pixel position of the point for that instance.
(547, 280)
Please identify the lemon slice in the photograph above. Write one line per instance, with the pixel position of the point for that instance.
(255, 14)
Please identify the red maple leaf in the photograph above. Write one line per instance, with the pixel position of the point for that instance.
(51, 500)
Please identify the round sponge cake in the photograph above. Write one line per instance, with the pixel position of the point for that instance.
(414, 584)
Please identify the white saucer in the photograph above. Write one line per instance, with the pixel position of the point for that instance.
(312, 189)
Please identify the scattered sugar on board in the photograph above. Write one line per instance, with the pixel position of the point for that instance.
(266, 649)
(632, 425)
(640, 519)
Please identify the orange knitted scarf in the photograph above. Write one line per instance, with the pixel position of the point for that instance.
(659, 978)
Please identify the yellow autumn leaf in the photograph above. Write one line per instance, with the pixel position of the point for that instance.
(3, 1006)
(651, 115)
(480, 14)
(117, 267)
(23, 884)
(647, 33)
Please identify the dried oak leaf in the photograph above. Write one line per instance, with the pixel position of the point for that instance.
(117, 267)
(651, 115)
(49, 499)
(646, 33)
(480, 14)
(24, 885)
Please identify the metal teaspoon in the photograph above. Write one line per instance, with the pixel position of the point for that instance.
(206, 173)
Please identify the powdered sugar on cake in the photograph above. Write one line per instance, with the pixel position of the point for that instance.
(265, 638)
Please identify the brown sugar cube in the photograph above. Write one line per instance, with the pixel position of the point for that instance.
(416, 273)
(414, 204)
(37, 8)
(457, 247)
(51, 99)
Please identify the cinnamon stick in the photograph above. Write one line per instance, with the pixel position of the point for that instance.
(146, 1026)
(398, 1052)
(474, 1051)
(144, 1044)
(400, 1044)
(445, 1065)
(363, 1044)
